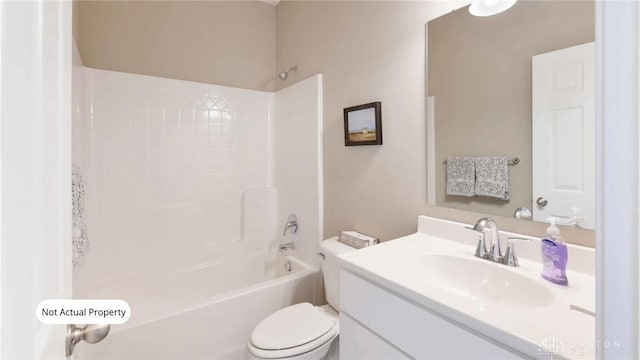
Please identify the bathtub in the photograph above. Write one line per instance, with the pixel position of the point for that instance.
(204, 312)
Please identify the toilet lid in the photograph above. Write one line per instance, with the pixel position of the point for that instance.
(290, 327)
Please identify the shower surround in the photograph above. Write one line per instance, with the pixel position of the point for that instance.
(180, 176)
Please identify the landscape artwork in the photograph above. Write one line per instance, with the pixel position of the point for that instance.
(363, 124)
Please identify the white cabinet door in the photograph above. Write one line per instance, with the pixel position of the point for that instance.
(357, 343)
(563, 116)
(415, 330)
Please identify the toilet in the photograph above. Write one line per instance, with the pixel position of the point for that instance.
(303, 331)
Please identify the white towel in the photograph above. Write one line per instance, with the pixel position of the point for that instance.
(461, 175)
(492, 177)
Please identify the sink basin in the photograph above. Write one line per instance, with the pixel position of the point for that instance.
(476, 280)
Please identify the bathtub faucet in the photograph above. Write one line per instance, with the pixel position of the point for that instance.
(287, 247)
(291, 225)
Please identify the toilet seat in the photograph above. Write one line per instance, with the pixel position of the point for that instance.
(292, 331)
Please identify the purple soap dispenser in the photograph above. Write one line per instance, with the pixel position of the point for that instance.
(554, 255)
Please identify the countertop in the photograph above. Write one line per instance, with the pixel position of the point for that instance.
(550, 330)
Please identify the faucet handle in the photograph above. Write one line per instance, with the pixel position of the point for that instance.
(291, 225)
(481, 249)
(518, 238)
(510, 258)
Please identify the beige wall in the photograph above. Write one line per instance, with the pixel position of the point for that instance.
(367, 51)
(218, 42)
(480, 75)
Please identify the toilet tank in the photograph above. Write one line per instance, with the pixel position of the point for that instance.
(331, 248)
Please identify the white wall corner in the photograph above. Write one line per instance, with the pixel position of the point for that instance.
(2, 324)
(431, 150)
(76, 59)
(320, 138)
(617, 179)
(297, 139)
(35, 98)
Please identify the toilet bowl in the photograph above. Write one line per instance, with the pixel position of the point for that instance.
(303, 331)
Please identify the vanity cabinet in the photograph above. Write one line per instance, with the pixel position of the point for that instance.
(357, 342)
(378, 324)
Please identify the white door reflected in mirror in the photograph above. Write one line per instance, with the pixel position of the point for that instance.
(563, 117)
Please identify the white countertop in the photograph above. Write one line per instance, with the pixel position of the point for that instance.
(565, 332)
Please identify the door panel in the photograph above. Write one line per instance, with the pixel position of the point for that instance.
(35, 192)
(563, 116)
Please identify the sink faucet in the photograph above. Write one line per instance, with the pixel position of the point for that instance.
(495, 252)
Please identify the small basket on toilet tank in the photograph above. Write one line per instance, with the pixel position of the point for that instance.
(356, 239)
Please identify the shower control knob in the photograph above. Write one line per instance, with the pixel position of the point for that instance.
(542, 202)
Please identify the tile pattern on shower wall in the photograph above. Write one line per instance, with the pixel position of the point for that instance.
(167, 162)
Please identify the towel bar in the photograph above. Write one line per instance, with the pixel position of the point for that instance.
(512, 162)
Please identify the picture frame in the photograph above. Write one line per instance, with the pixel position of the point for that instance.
(363, 124)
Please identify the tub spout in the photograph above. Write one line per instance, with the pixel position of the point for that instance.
(286, 247)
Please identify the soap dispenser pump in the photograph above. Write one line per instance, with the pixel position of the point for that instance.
(554, 255)
(576, 220)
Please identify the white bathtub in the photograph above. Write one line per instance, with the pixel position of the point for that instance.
(205, 312)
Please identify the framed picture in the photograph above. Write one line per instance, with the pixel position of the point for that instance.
(363, 124)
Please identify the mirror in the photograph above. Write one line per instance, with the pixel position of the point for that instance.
(521, 85)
